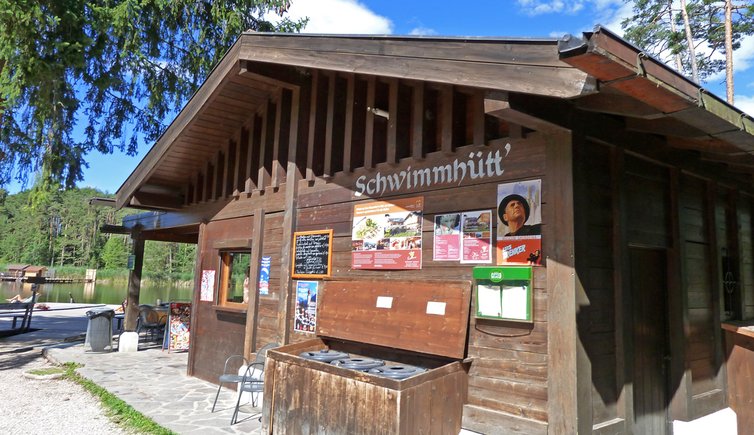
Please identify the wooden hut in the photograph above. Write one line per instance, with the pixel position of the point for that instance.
(17, 270)
(34, 271)
(638, 181)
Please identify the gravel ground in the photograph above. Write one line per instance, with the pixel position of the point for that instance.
(45, 406)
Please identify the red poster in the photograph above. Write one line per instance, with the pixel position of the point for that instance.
(519, 225)
(387, 235)
(447, 243)
(476, 232)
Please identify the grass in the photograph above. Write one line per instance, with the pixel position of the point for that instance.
(119, 411)
(47, 371)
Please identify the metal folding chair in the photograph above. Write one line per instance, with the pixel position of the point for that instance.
(230, 377)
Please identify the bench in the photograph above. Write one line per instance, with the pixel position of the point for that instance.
(19, 310)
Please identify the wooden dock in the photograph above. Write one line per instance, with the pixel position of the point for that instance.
(44, 280)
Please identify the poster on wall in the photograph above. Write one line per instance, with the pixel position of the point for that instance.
(447, 237)
(306, 306)
(264, 275)
(519, 229)
(179, 325)
(387, 235)
(476, 236)
(207, 293)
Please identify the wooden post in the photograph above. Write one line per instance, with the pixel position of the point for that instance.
(717, 282)
(680, 405)
(445, 116)
(196, 300)
(239, 175)
(330, 125)
(312, 126)
(217, 188)
(566, 355)
(623, 317)
(277, 170)
(208, 177)
(369, 127)
(134, 281)
(287, 290)
(249, 183)
(477, 108)
(263, 175)
(250, 339)
(229, 164)
(348, 128)
(417, 121)
(392, 123)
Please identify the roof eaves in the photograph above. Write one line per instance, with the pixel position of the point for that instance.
(619, 64)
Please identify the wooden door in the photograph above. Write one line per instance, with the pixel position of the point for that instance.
(650, 340)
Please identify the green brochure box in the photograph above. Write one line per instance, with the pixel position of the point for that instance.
(503, 293)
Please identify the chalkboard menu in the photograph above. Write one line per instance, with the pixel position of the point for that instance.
(312, 254)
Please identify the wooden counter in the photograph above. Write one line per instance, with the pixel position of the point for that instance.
(739, 344)
(304, 396)
(417, 323)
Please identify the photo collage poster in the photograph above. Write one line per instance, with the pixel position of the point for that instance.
(305, 319)
(387, 235)
(447, 237)
(476, 237)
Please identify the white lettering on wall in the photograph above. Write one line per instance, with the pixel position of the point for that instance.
(476, 167)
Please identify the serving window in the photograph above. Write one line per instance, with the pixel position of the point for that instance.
(234, 278)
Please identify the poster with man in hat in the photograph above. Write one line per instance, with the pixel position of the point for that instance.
(519, 225)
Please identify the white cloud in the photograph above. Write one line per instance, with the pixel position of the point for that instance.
(422, 31)
(745, 103)
(339, 16)
(743, 58)
(611, 16)
(540, 7)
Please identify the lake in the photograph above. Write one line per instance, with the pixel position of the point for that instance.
(96, 293)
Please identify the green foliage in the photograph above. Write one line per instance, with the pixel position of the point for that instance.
(657, 26)
(165, 261)
(119, 67)
(62, 232)
(115, 252)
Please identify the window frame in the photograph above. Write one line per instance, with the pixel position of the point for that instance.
(225, 269)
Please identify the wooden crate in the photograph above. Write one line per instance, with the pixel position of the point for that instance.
(305, 396)
(739, 341)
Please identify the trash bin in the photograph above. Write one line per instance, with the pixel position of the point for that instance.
(99, 331)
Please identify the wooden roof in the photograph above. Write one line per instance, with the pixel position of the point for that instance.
(599, 72)
(655, 99)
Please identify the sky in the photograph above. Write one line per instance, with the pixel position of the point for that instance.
(500, 18)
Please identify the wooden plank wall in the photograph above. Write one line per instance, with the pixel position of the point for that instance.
(747, 256)
(209, 348)
(725, 248)
(593, 207)
(703, 337)
(508, 375)
(649, 210)
(269, 305)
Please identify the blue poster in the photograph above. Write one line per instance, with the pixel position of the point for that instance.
(264, 276)
(306, 306)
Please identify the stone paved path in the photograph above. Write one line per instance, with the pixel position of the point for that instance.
(151, 380)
